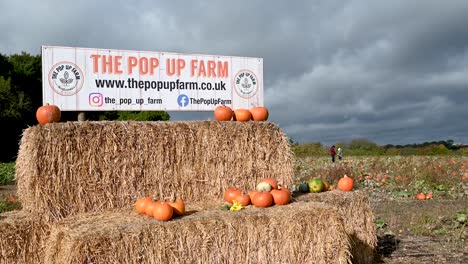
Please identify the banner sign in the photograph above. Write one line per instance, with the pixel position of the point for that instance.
(87, 79)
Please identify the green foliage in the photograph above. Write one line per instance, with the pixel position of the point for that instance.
(392, 151)
(420, 186)
(7, 173)
(5, 66)
(403, 193)
(26, 74)
(309, 149)
(6, 206)
(361, 147)
(365, 147)
(13, 103)
(21, 95)
(143, 116)
(380, 223)
(461, 152)
(460, 219)
(26, 65)
(433, 150)
(118, 115)
(130, 115)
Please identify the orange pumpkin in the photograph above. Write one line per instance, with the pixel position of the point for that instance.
(465, 176)
(345, 184)
(149, 208)
(243, 199)
(259, 113)
(284, 187)
(280, 196)
(163, 211)
(242, 115)
(48, 114)
(11, 198)
(429, 196)
(231, 193)
(223, 113)
(252, 194)
(140, 204)
(263, 199)
(178, 207)
(273, 183)
(420, 196)
(326, 186)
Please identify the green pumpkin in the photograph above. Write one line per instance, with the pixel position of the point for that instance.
(304, 187)
(315, 185)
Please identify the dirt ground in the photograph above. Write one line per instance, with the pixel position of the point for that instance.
(6, 190)
(413, 231)
(410, 231)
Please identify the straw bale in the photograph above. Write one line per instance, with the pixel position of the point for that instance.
(21, 238)
(296, 233)
(358, 219)
(77, 167)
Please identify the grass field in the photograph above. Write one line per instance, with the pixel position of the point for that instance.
(399, 176)
(409, 230)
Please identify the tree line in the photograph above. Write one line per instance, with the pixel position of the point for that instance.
(365, 147)
(21, 96)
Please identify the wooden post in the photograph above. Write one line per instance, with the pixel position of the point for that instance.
(81, 116)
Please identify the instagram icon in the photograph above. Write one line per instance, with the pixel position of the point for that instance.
(96, 99)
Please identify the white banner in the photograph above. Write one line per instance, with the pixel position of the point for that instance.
(86, 79)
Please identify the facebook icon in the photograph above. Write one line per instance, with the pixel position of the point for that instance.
(183, 100)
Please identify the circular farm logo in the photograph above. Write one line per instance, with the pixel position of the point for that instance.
(66, 78)
(246, 83)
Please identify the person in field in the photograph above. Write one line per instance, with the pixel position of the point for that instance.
(340, 153)
(332, 153)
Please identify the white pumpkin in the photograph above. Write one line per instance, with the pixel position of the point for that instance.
(263, 187)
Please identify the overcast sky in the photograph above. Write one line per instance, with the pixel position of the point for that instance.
(394, 72)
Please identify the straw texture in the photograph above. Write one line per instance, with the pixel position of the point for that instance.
(355, 209)
(78, 181)
(76, 167)
(21, 237)
(296, 233)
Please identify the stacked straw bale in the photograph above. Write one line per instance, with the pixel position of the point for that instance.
(76, 167)
(21, 238)
(358, 218)
(296, 233)
(78, 180)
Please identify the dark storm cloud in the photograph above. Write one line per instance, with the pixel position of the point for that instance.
(390, 71)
